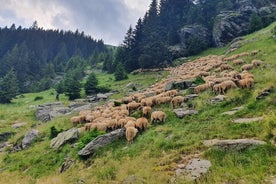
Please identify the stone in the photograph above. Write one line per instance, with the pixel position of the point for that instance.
(43, 111)
(64, 137)
(133, 179)
(192, 32)
(168, 86)
(182, 85)
(264, 93)
(232, 145)
(247, 120)
(189, 97)
(101, 141)
(18, 125)
(180, 113)
(101, 96)
(67, 164)
(197, 167)
(29, 137)
(217, 99)
(3, 146)
(233, 111)
(81, 108)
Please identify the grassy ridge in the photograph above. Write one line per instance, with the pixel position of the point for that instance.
(155, 153)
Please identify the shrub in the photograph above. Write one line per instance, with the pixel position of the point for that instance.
(38, 98)
(90, 136)
(54, 132)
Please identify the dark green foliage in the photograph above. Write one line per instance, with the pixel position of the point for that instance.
(102, 89)
(38, 98)
(91, 84)
(116, 103)
(54, 132)
(8, 87)
(72, 86)
(255, 23)
(120, 73)
(88, 137)
(198, 81)
(37, 55)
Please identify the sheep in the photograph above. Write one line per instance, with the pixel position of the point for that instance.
(77, 119)
(238, 62)
(245, 83)
(130, 123)
(133, 106)
(245, 75)
(162, 100)
(158, 115)
(147, 102)
(227, 85)
(131, 132)
(225, 67)
(217, 88)
(146, 111)
(201, 88)
(89, 118)
(247, 67)
(257, 62)
(141, 123)
(171, 93)
(99, 126)
(126, 100)
(177, 100)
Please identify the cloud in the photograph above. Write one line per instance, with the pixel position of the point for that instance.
(106, 19)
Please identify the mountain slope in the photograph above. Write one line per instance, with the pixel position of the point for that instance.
(157, 153)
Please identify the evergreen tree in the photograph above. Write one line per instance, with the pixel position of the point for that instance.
(120, 73)
(72, 86)
(91, 84)
(8, 87)
(255, 23)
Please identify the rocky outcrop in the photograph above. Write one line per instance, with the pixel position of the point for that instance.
(232, 145)
(29, 137)
(63, 137)
(180, 113)
(231, 24)
(192, 33)
(101, 141)
(180, 85)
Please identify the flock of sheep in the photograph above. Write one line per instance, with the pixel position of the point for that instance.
(217, 72)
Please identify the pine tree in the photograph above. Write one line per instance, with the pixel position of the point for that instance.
(8, 87)
(72, 86)
(120, 73)
(91, 84)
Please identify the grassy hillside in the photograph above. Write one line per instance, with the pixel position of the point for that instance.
(155, 154)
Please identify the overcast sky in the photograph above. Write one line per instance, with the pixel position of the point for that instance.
(101, 19)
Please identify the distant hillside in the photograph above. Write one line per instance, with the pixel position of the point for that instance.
(177, 28)
(36, 55)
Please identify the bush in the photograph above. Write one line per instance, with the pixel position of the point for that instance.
(90, 136)
(199, 80)
(38, 98)
(103, 89)
(54, 132)
(116, 103)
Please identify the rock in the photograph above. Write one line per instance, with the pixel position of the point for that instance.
(18, 125)
(3, 146)
(189, 97)
(58, 111)
(232, 145)
(101, 141)
(182, 85)
(168, 86)
(43, 111)
(81, 108)
(217, 99)
(247, 120)
(67, 164)
(101, 96)
(133, 180)
(233, 111)
(180, 113)
(264, 93)
(29, 137)
(197, 167)
(63, 137)
(4, 136)
(194, 32)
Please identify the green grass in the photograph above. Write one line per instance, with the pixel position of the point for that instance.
(155, 153)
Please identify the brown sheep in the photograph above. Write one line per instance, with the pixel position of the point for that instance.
(158, 115)
(99, 126)
(146, 111)
(257, 62)
(177, 100)
(201, 88)
(238, 62)
(131, 132)
(77, 119)
(130, 123)
(225, 67)
(133, 106)
(247, 67)
(171, 93)
(227, 85)
(162, 100)
(141, 123)
(245, 83)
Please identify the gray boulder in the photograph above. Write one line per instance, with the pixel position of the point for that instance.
(196, 31)
(63, 137)
(29, 137)
(217, 99)
(180, 113)
(232, 145)
(43, 111)
(101, 141)
(197, 167)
